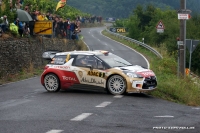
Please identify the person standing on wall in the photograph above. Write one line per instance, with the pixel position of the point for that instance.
(20, 26)
(66, 27)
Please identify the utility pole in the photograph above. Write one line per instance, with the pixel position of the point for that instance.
(182, 48)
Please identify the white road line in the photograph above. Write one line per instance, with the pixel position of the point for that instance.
(118, 96)
(112, 49)
(104, 104)
(196, 108)
(81, 117)
(92, 35)
(165, 116)
(55, 131)
(99, 40)
(105, 44)
(87, 45)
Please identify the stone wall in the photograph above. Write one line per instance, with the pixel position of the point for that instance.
(19, 54)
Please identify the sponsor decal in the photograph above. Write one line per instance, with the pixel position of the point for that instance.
(97, 74)
(62, 67)
(92, 81)
(68, 78)
(80, 73)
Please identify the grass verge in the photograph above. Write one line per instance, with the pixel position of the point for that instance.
(179, 90)
(24, 74)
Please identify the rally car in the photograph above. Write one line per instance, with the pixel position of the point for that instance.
(95, 70)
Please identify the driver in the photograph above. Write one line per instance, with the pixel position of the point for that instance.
(84, 61)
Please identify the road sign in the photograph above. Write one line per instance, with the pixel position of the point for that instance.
(179, 42)
(160, 30)
(192, 44)
(184, 16)
(43, 28)
(160, 25)
(118, 29)
(184, 11)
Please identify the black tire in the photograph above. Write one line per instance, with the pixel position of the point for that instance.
(116, 85)
(51, 83)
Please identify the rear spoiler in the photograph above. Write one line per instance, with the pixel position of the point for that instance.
(48, 55)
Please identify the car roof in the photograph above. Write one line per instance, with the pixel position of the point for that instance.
(95, 52)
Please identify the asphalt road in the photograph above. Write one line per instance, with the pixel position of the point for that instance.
(26, 107)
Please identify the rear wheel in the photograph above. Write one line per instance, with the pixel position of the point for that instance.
(51, 83)
(116, 85)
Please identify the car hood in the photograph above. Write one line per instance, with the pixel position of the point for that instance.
(138, 70)
(133, 68)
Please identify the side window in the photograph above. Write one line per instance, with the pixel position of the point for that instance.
(80, 61)
(100, 65)
(59, 60)
(84, 60)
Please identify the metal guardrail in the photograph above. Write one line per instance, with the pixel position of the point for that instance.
(137, 42)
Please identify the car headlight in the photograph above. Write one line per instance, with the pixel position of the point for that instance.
(133, 75)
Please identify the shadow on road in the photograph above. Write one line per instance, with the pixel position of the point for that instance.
(142, 95)
(95, 92)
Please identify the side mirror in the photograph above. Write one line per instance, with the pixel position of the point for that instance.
(90, 66)
(48, 55)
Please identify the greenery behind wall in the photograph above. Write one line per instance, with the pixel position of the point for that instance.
(43, 6)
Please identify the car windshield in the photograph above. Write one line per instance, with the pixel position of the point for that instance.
(114, 60)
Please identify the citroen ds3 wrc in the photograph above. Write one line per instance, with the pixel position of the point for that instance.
(95, 70)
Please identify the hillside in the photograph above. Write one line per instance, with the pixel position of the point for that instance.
(123, 8)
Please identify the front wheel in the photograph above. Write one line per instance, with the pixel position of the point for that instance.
(116, 85)
(51, 83)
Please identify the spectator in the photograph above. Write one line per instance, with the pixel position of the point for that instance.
(10, 4)
(32, 23)
(13, 29)
(66, 24)
(20, 27)
(26, 30)
(54, 24)
(61, 25)
(27, 8)
(18, 5)
(68, 29)
(72, 28)
(5, 24)
(73, 37)
(44, 16)
(40, 17)
(100, 19)
(48, 15)
(56, 27)
(77, 29)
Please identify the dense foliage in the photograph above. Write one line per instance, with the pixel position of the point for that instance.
(123, 8)
(50, 6)
(143, 25)
(43, 6)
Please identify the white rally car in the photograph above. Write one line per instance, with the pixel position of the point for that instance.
(95, 70)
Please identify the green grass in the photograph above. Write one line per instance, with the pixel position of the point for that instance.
(24, 74)
(170, 87)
